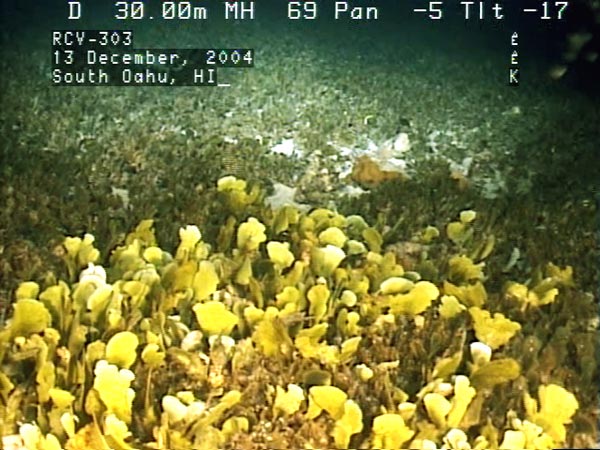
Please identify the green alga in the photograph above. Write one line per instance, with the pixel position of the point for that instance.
(554, 410)
(214, 318)
(121, 349)
(250, 235)
(495, 330)
(113, 388)
(29, 316)
(417, 300)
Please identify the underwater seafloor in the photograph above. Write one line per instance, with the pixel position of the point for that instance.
(238, 268)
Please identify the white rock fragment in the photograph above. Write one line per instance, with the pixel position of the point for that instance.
(393, 165)
(284, 195)
(353, 191)
(401, 143)
(122, 194)
(480, 353)
(286, 148)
